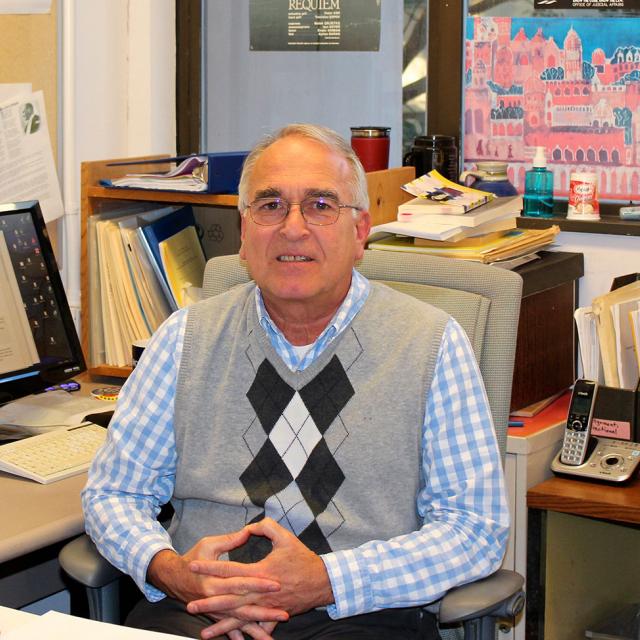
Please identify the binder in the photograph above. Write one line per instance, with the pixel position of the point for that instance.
(199, 173)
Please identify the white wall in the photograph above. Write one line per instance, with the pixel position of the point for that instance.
(117, 96)
(605, 257)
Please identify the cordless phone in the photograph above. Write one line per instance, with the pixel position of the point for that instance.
(578, 429)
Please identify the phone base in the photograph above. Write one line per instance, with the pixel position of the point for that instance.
(609, 460)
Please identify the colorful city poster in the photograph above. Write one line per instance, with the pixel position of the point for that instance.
(569, 85)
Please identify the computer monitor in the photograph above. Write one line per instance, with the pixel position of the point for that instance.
(39, 344)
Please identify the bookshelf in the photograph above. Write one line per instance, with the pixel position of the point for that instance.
(384, 192)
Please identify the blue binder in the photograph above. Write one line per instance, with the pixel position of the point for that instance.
(219, 173)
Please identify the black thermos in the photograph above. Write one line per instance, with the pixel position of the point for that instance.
(434, 152)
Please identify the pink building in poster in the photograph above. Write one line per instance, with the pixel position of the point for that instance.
(522, 92)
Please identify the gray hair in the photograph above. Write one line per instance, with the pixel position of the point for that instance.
(323, 135)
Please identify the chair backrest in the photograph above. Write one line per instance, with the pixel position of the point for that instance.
(485, 301)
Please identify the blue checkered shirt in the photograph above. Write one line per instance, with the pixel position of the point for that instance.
(462, 503)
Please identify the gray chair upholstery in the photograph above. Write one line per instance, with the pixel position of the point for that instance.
(486, 302)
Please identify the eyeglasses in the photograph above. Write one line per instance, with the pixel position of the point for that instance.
(316, 210)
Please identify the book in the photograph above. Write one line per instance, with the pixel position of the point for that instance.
(153, 301)
(492, 226)
(480, 241)
(446, 227)
(495, 248)
(499, 207)
(436, 194)
(151, 235)
(183, 262)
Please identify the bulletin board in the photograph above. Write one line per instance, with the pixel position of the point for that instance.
(29, 53)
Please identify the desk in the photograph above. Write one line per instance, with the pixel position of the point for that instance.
(35, 516)
(583, 558)
(36, 520)
(530, 450)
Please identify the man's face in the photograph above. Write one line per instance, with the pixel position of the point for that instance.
(296, 264)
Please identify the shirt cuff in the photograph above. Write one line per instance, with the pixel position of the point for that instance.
(350, 583)
(150, 592)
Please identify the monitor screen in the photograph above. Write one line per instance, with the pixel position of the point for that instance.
(39, 345)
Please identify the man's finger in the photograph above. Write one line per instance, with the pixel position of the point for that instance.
(222, 627)
(230, 627)
(226, 542)
(228, 569)
(237, 607)
(269, 528)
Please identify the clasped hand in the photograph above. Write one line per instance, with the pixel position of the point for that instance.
(249, 598)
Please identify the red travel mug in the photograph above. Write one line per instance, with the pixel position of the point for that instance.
(371, 145)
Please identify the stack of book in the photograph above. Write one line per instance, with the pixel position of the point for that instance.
(502, 248)
(142, 266)
(455, 221)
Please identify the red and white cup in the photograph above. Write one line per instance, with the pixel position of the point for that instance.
(583, 197)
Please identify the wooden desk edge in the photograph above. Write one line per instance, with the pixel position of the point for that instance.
(618, 503)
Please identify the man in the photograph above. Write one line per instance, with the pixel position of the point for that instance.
(330, 435)
(30, 119)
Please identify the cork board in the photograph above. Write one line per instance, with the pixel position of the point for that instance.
(29, 53)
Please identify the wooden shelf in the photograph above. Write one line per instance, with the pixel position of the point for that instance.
(178, 197)
(606, 225)
(110, 371)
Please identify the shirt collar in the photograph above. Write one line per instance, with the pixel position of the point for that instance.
(353, 301)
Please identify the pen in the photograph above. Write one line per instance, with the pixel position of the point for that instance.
(515, 423)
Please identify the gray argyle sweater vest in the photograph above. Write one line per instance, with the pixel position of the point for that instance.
(333, 452)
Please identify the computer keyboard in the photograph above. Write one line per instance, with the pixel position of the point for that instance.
(53, 456)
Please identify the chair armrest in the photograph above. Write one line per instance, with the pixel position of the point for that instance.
(499, 595)
(82, 561)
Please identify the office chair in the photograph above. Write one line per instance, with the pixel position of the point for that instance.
(486, 302)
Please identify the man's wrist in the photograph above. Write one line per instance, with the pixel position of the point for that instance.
(163, 570)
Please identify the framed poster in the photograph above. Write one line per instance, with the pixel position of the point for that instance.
(314, 25)
(565, 83)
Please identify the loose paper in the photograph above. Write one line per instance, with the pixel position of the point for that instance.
(27, 170)
(25, 6)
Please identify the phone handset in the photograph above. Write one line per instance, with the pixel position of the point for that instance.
(578, 429)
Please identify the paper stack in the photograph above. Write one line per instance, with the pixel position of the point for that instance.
(616, 315)
(486, 233)
(497, 215)
(43, 412)
(189, 175)
(141, 263)
(487, 248)
(590, 357)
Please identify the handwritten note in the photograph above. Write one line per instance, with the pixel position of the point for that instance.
(617, 429)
